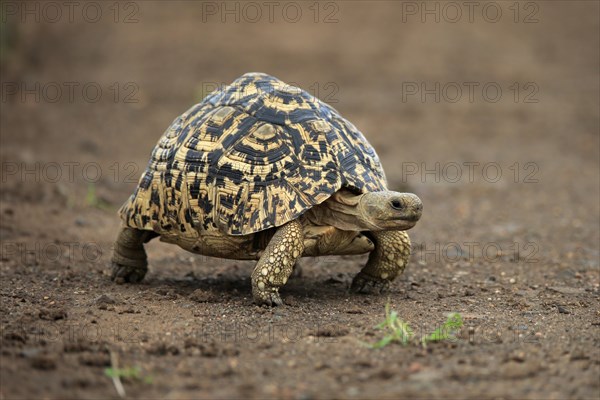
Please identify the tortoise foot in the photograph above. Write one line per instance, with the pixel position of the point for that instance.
(363, 283)
(269, 298)
(125, 273)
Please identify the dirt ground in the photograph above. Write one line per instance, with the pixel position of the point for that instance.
(492, 119)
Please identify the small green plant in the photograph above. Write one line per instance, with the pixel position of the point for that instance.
(92, 199)
(399, 331)
(396, 329)
(445, 332)
(131, 373)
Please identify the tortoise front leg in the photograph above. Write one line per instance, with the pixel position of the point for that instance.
(391, 254)
(129, 261)
(276, 263)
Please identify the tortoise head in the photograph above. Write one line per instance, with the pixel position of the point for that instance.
(373, 211)
(390, 210)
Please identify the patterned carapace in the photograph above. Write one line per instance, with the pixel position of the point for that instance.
(251, 156)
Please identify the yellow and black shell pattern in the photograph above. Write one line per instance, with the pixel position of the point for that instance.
(251, 156)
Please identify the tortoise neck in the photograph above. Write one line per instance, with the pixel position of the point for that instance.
(343, 211)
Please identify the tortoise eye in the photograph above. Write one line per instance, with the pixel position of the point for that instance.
(396, 204)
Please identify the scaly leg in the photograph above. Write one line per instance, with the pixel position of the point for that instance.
(391, 254)
(276, 263)
(129, 259)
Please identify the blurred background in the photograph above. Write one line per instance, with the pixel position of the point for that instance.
(489, 111)
(432, 86)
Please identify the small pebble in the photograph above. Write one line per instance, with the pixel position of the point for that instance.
(79, 221)
(415, 367)
(563, 310)
(43, 362)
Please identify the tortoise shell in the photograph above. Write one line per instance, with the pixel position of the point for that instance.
(251, 156)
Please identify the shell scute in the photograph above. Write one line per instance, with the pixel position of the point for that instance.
(251, 156)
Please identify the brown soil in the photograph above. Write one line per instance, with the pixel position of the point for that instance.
(517, 255)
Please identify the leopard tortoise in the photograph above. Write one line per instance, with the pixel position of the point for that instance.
(262, 170)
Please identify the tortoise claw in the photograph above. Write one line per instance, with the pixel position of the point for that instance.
(363, 283)
(125, 273)
(268, 298)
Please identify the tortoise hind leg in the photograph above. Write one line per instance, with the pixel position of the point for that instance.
(388, 260)
(276, 263)
(129, 260)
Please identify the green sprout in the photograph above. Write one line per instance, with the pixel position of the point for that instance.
(396, 330)
(445, 332)
(92, 199)
(399, 331)
(130, 373)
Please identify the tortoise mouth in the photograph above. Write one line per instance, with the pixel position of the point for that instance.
(397, 223)
(410, 217)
